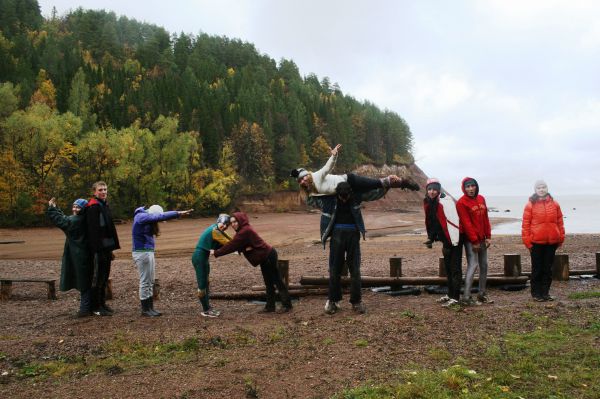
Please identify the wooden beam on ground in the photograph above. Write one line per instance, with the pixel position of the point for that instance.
(367, 281)
(262, 294)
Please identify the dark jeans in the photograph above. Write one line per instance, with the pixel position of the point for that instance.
(102, 261)
(363, 184)
(542, 259)
(344, 247)
(453, 265)
(273, 280)
(202, 269)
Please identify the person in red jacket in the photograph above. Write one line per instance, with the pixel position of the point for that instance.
(257, 252)
(474, 225)
(542, 232)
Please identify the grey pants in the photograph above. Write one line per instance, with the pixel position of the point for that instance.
(145, 264)
(476, 260)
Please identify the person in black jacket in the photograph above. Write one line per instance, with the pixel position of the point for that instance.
(103, 240)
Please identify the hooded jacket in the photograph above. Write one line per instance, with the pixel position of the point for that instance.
(143, 239)
(542, 222)
(473, 215)
(446, 215)
(244, 238)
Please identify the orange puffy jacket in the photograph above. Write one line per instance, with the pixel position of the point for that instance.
(542, 222)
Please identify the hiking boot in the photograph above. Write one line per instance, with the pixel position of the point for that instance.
(330, 307)
(101, 312)
(483, 298)
(445, 298)
(359, 308)
(450, 302)
(146, 309)
(469, 302)
(268, 309)
(538, 299)
(107, 308)
(83, 313)
(404, 182)
(156, 312)
(210, 313)
(548, 298)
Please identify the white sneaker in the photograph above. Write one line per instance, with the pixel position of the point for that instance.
(210, 313)
(330, 307)
(450, 302)
(443, 299)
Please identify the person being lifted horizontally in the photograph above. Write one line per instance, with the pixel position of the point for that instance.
(322, 182)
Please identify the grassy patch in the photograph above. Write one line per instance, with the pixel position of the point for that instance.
(556, 360)
(118, 355)
(584, 295)
(361, 343)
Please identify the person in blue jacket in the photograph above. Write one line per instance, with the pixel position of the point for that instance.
(145, 228)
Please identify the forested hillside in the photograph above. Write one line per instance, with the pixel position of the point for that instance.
(176, 119)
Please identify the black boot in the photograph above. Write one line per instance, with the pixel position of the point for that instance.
(103, 305)
(85, 304)
(146, 311)
(156, 312)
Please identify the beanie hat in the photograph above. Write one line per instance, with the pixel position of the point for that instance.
(470, 182)
(299, 173)
(155, 209)
(223, 218)
(80, 202)
(433, 183)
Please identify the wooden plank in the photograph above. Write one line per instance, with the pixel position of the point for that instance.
(27, 279)
(367, 281)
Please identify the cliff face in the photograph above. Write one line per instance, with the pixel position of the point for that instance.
(395, 200)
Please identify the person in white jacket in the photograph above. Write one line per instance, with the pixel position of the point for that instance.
(322, 182)
(441, 221)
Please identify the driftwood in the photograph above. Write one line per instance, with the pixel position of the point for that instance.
(368, 281)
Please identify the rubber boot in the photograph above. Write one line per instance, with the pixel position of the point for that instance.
(156, 312)
(146, 311)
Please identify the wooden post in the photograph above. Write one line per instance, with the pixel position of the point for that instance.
(5, 290)
(396, 271)
(156, 290)
(284, 271)
(108, 289)
(560, 268)
(598, 264)
(442, 267)
(51, 290)
(512, 265)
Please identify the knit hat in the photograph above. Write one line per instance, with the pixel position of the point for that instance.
(80, 202)
(155, 209)
(223, 218)
(433, 183)
(299, 173)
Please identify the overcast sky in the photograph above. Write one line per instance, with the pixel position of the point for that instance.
(504, 91)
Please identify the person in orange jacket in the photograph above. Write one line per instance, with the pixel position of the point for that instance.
(475, 227)
(543, 232)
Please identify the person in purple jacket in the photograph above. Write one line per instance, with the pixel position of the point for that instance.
(145, 227)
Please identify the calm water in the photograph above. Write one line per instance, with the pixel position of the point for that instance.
(582, 214)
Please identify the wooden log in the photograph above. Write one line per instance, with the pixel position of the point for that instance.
(512, 265)
(13, 242)
(367, 281)
(290, 287)
(284, 271)
(442, 267)
(560, 268)
(261, 294)
(156, 290)
(598, 264)
(108, 289)
(571, 273)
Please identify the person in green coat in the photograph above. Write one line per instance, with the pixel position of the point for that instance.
(212, 238)
(76, 269)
